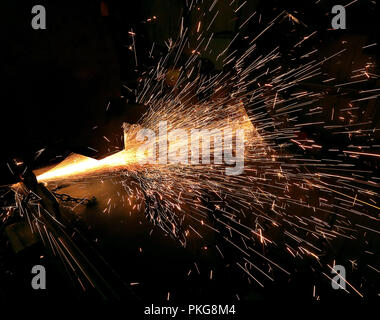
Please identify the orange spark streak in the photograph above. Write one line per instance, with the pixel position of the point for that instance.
(77, 164)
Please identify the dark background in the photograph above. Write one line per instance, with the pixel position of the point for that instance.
(56, 83)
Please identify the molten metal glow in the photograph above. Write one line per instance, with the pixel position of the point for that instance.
(77, 164)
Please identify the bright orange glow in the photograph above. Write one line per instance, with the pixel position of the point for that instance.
(77, 164)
